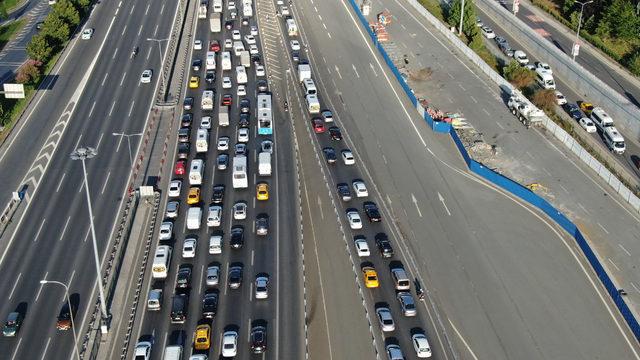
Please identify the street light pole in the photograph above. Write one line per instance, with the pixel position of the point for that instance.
(158, 41)
(82, 154)
(461, 18)
(128, 142)
(73, 326)
(575, 43)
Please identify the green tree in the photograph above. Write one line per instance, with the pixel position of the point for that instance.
(469, 27)
(56, 29)
(66, 10)
(619, 20)
(545, 100)
(633, 63)
(518, 75)
(39, 49)
(82, 4)
(29, 72)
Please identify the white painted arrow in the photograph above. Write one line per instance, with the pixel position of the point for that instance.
(415, 202)
(443, 204)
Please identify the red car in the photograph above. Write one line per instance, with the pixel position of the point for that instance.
(226, 100)
(214, 45)
(180, 167)
(318, 125)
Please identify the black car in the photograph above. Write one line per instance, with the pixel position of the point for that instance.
(295, 56)
(209, 304)
(237, 237)
(184, 149)
(384, 246)
(255, 58)
(210, 76)
(186, 120)
(262, 224)
(245, 21)
(240, 149)
(188, 103)
(330, 155)
(222, 161)
(344, 191)
(65, 315)
(183, 281)
(235, 277)
(262, 85)
(574, 111)
(335, 133)
(258, 339)
(196, 64)
(371, 209)
(183, 134)
(228, 25)
(243, 121)
(218, 194)
(179, 307)
(245, 106)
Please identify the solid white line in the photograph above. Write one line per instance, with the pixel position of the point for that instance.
(123, 76)
(65, 228)
(39, 229)
(16, 350)
(92, 106)
(45, 349)
(14, 286)
(201, 277)
(60, 183)
(105, 182)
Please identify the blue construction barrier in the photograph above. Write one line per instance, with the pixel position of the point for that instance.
(510, 185)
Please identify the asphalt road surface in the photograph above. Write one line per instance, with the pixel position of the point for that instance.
(53, 239)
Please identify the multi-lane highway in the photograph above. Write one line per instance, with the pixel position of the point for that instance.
(95, 92)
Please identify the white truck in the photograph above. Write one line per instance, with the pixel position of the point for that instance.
(292, 28)
(247, 8)
(313, 104)
(202, 10)
(525, 111)
(241, 75)
(240, 179)
(264, 164)
(245, 59)
(223, 116)
(226, 60)
(217, 6)
(215, 22)
(207, 100)
(304, 72)
(202, 141)
(194, 215)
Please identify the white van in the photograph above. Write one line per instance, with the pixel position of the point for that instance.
(601, 118)
(545, 80)
(211, 60)
(264, 164)
(241, 75)
(215, 244)
(313, 105)
(292, 28)
(226, 60)
(400, 279)
(238, 47)
(202, 141)
(161, 262)
(173, 352)
(194, 214)
(196, 171)
(309, 86)
(614, 140)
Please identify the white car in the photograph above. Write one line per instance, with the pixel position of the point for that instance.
(87, 34)
(231, 5)
(214, 217)
(146, 76)
(205, 122)
(226, 82)
(487, 32)
(243, 135)
(215, 244)
(347, 157)
(521, 57)
(197, 45)
(267, 146)
(360, 188)
(421, 345)
(242, 90)
(229, 344)
(166, 230)
(361, 246)
(560, 99)
(250, 39)
(385, 319)
(544, 67)
(262, 292)
(355, 223)
(228, 43)
(239, 211)
(213, 275)
(284, 11)
(235, 35)
(260, 70)
(143, 350)
(587, 125)
(295, 45)
(174, 188)
(223, 143)
(189, 248)
(253, 49)
(254, 30)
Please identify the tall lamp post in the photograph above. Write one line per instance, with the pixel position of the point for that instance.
(82, 154)
(574, 48)
(128, 142)
(73, 326)
(159, 41)
(461, 18)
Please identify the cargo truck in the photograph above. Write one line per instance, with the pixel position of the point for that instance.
(304, 72)
(202, 10)
(292, 28)
(247, 8)
(526, 112)
(264, 164)
(223, 116)
(207, 100)
(215, 22)
(245, 59)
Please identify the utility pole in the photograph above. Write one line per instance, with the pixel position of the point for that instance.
(575, 48)
(461, 18)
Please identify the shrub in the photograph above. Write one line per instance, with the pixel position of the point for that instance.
(544, 99)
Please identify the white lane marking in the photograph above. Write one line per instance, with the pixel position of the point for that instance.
(463, 340)
(123, 76)
(113, 104)
(226, 271)
(451, 76)
(329, 34)
(548, 173)
(324, 26)
(155, 32)
(60, 183)
(338, 71)
(77, 142)
(320, 17)
(441, 198)
(635, 287)
(625, 250)
(140, 30)
(15, 352)
(582, 207)
(86, 235)
(373, 69)
(146, 11)
(115, 52)
(41, 285)
(460, 85)
(39, 230)
(105, 182)
(320, 207)
(420, 44)
(486, 112)
(162, 9)
(252, 257)
(104, 79)
(499, 125)
(119, 143)
(315, 8)
(601, 227)
(133, 7)
(92, 106)
(81, 187)
(201, 277)
(474, 99)
(124, 29)
(99, 141)
(65, 228)
(614, 264)
(415, 202)
(45, 349)
(354, 69)
(565, 189)
(14, 286)
(71, 279)
(133, 102)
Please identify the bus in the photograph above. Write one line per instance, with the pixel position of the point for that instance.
(161, 262)
(240, 179)
(264, 114)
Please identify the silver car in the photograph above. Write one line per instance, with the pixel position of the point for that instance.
(213, 275)
(172, 209)
(385, 319)
(407, 304)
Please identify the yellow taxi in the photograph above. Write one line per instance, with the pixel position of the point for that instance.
(202, 337)
(262, 191)
(586, 108)
(194, 196)
(370, 277)
(194, 82)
